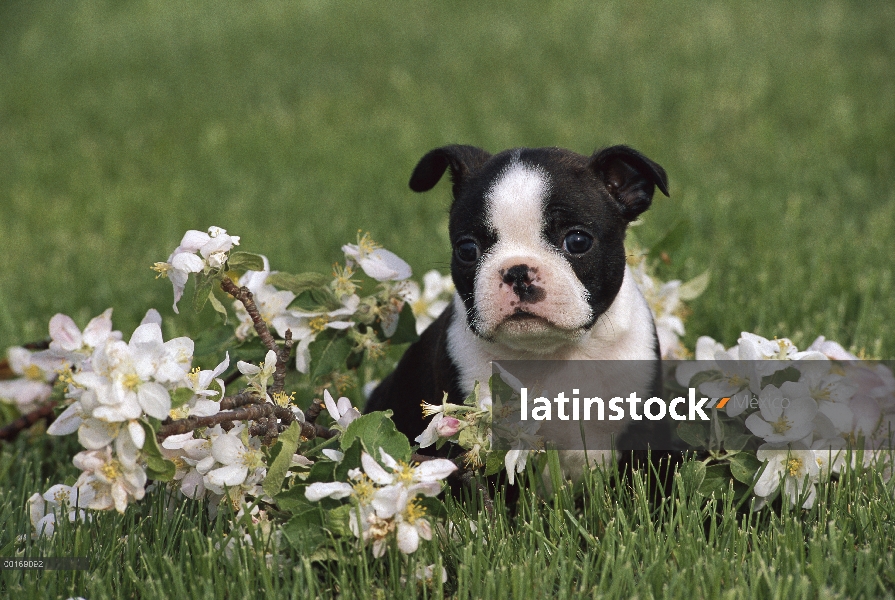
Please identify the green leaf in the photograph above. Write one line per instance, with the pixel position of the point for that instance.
(158, 468)
(695, 287)
(218, 307)
(337, 520)
(298, 284)
(743, 467)
(702, 377)
(214, 341)
(406, 331)
(717, 478)
(693, 434)
(304, 531)
(329, 352)
(495, 462)
(181, 396)
(351, 460)
(276, 473)
(671, 240)
(316, 300)
(376, 430)
(736, 437)
(293, 500)
(692, 475)
(204, 285)
(245, 261)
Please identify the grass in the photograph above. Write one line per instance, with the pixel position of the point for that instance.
(296, 124)
(570, 545)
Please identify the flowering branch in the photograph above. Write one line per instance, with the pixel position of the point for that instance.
(245, 407)
(244, 295)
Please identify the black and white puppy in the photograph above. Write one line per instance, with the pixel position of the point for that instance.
(539, 267)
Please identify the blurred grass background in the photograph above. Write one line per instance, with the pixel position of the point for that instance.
(294, 124)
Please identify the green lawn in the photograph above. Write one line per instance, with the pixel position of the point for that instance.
(294, 124)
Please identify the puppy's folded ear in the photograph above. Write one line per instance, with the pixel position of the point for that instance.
(630, 177)
(461, 159)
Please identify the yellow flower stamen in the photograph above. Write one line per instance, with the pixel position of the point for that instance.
(179, 413)
(61, 497)
(161, 268)
(252, 459)
(414, 512)
(430, 409)
(343, 284)
(283, 399)
(365, 243)
(34, 373)
(420, 307)
(66, 377)
(781, 425)
(404, 472)
(794, 465)
(318, 324)
(364, 489)
(131, 381)
(111, 470)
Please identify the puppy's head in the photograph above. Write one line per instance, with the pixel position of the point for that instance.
(538, 235)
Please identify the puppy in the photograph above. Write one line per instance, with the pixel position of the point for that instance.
(539, 267)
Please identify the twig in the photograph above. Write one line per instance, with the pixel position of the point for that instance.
(279, 375)
(248, 301)
(240, 399)
(11, 431)
(314, 410)
(249, 412)
(283, 352)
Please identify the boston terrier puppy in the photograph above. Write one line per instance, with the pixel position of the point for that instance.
(539, 267)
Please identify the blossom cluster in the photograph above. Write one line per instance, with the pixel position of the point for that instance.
(342, 309)
(830, 402)
(385, 504)
(198, 252)
(112, 387)
(666, 301)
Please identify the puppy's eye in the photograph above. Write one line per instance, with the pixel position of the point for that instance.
(467, 251)
(577, 242)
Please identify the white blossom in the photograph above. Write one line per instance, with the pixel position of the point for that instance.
(341, 412)
(786, 413)
(797, 468)
(213, 249)
(377, 262)
(430, 302)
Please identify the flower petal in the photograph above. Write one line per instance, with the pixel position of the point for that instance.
(68, 422)
(336, 489)
(374, 471)
(65, 333)
(408, 538)
(154, 399)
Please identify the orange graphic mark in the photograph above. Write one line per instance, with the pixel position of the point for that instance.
(722, 403)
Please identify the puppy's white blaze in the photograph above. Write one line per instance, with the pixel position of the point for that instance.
(514, 208)
(515, 204)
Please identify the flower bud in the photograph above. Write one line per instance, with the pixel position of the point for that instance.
(448, 426)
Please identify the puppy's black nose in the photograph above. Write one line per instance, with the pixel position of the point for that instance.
(517, 276)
